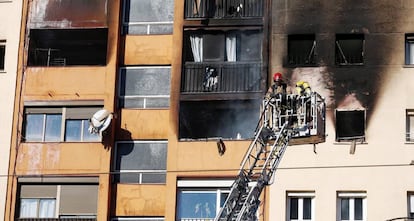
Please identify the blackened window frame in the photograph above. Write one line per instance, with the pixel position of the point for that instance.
(346, 130)
(2, 55)
(349, 49)
(301, 50)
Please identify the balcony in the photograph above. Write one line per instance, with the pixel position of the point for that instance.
(217, 9)
(221, 77)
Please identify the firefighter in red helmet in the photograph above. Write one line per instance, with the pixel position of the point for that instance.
(278, 86)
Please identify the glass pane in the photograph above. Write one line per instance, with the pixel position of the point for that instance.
(88, 136)
(223, 197)
(153, 178)
(53, 127)
(148, 10)
(141, 156)
(47, 208)
(197, 204)
(294, 208)
(28, 208)
(307, 208)
(73, 130)
(344, 209)
(411, 53)
(358, 208)
(34, 127)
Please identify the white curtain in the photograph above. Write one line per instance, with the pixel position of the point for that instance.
(231, 47)
(197, 47)
(411, 53)
(28, 208)
(47, 208)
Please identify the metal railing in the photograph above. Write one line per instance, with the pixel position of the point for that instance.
(208, 77)
(223, 8)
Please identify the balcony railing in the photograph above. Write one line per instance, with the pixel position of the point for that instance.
(223, 8)
(221, 77)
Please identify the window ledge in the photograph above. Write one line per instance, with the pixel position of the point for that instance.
(347, 143)
(409, 142)
(408, 66)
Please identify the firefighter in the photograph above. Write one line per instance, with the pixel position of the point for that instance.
(278, 86)
(303, 88)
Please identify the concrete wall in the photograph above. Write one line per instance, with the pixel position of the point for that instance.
(382, 86)
(10, 17)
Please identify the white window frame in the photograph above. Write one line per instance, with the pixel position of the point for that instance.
(300, 196)
(148, 24)
(209, 186)
(139, 172)
(62, 112)
(351, 196)
(144, 97)
(409, 49)
(409, 134)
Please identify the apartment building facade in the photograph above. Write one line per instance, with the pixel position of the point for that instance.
(183, 81)
(10, 15)
(358, 55)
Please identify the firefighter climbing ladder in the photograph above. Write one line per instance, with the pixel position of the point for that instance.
(266, 150)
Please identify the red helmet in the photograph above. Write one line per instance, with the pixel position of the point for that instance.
(277, 76)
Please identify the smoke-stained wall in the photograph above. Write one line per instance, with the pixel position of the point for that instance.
(383, 24)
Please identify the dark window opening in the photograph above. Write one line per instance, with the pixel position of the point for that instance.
(301, 50)
(2, 53)
(350, 125)
(409, 49)
(225, 119)
(349, 49)
(66, 47)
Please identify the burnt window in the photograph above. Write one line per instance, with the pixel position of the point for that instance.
(226, 119)
(349, 49)
(67, 47)
(301, 50)
(350, 125)
(229, 46)
(409, 49)
(197, 9)
(2, 54)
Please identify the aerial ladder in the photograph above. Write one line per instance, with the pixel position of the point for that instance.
(284, 118)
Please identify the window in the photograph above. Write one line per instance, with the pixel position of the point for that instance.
(48, 200)
(301, 50)
(409, 127)
(229, 46)
(411, 205)
(37, 208)
(196, 9)
(349, 49)
(148, 17)
(351, 206)
(350, 125)
(56, 124)
(232, 119)
(141, 162)
(409, 49)
(67, 47)
(300, 206)
(201, 199)
(145, 87)
(2, 54)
